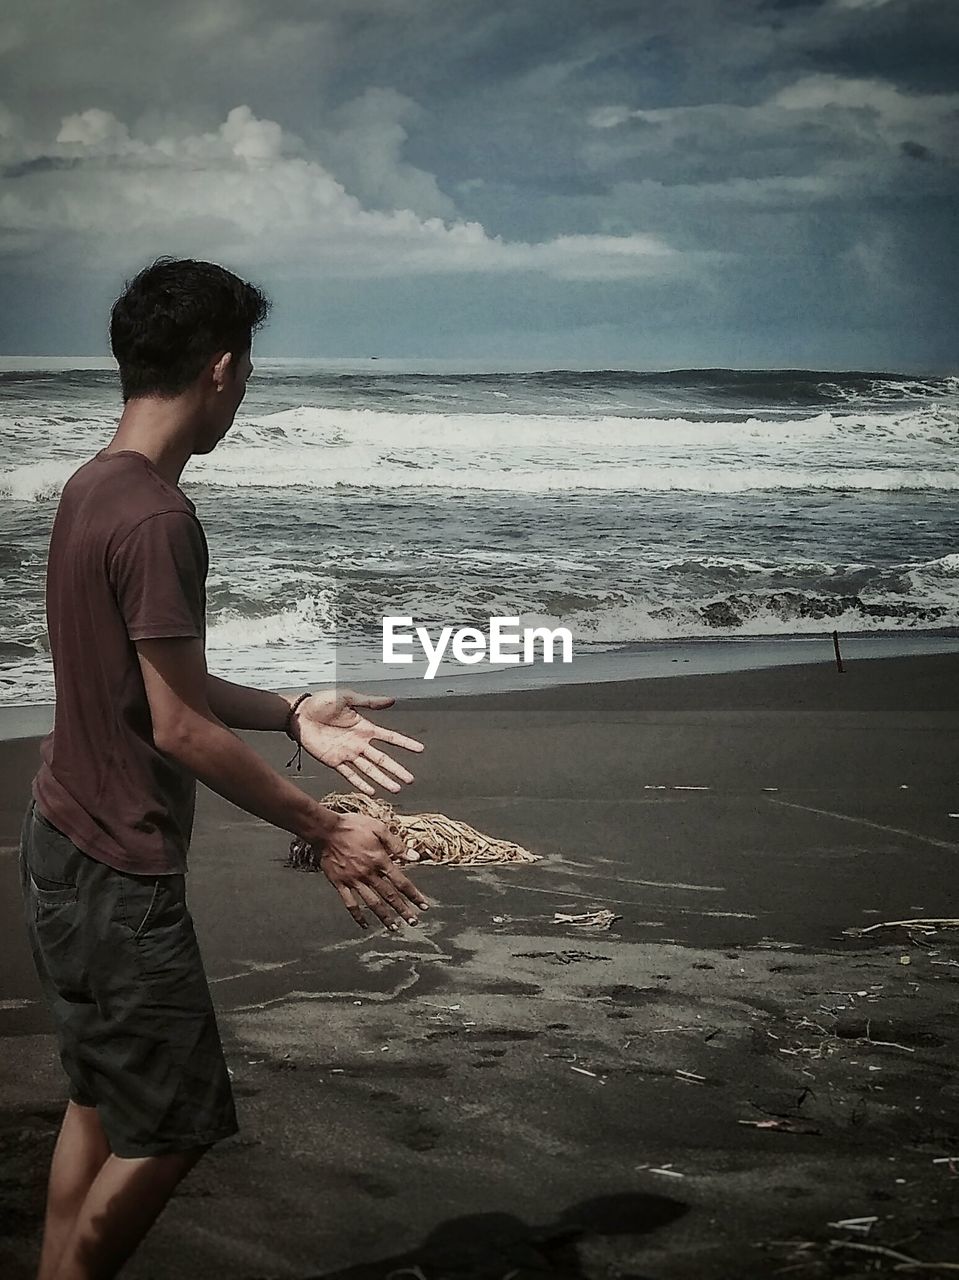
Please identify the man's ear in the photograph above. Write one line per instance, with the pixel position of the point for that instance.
(223, 370)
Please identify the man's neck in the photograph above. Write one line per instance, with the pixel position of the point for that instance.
(159, 429)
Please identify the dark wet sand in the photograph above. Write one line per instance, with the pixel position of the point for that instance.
(492, 1099)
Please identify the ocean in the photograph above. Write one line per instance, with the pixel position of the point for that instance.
(639, 510)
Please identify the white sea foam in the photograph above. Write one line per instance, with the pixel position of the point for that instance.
(322, 448)
(310, 424)
(379, 474)
(906, 597)
(535, 453)
(37, 481)
(946, 565)
(308, 619)
(43, 481)
(635, 622)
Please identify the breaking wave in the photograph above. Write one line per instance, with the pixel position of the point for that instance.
(325, 449)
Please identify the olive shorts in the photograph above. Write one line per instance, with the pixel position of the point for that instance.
(119, 964)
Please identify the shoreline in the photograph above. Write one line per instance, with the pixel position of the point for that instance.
(640, 661)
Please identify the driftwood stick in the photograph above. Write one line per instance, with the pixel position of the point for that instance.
(906, 1262)
(939, 921)
(835, 645)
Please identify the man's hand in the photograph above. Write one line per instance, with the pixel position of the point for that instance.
(356, 859)
(329, 727)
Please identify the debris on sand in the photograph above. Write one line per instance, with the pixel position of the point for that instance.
(804, 1254)
(690, 1077)
(861, 1225)
(783, 1124)
(597, 919)
(929, 923)
(664, 1171)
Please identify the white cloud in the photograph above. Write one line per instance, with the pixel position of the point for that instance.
(241, 137)
(592, 257)
(890, 114)
(95, 129)
(610, 117)
(850, 108)
(252, 139)
(817, 92)
(364, 145)
(251, 193)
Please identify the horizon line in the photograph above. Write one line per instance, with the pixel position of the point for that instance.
(489, 366)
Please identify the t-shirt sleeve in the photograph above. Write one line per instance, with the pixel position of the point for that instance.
(158, 573)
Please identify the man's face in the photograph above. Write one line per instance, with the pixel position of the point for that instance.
(241, 372)
(230, 377)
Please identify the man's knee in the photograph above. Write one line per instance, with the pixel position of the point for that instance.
(171, 1163)
(194, 1154)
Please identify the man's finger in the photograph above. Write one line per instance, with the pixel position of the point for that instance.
(397, 739)
(378, 905)
(397, 847)
(388, 763)
(384, 885)
(408, 888)
(374, 700)
(371, 771)
(354, 779)
(394, 844)
(352, 906)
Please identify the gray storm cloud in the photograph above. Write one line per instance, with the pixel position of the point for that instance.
(631, 172)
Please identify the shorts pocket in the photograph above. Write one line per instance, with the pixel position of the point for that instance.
(141, 896)
(42, 820)
(49, 894)
(161, 930)
(52, 862)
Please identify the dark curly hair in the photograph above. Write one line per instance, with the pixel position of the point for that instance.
(173, 317)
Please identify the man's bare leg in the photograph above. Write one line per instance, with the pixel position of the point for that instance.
(125, 1199)
(78, 1157)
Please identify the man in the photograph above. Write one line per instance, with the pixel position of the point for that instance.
(138, 720)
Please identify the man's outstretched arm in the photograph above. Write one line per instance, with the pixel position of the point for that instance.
(356, 850)
(241, 707)
(330, 725)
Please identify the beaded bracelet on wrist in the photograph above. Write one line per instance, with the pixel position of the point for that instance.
(288, 730)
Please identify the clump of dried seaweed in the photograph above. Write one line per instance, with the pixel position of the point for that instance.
(429, 837)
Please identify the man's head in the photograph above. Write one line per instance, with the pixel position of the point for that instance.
(185, 328)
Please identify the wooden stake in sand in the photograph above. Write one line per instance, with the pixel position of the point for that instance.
(835, 645)
(429, 837)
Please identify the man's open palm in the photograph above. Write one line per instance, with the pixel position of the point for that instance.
(332, 730)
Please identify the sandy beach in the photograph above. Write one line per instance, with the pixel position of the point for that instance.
(725, 1084)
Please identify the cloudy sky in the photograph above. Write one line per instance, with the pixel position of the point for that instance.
(564, 182)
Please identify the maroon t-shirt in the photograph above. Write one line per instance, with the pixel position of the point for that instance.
(128, 561)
